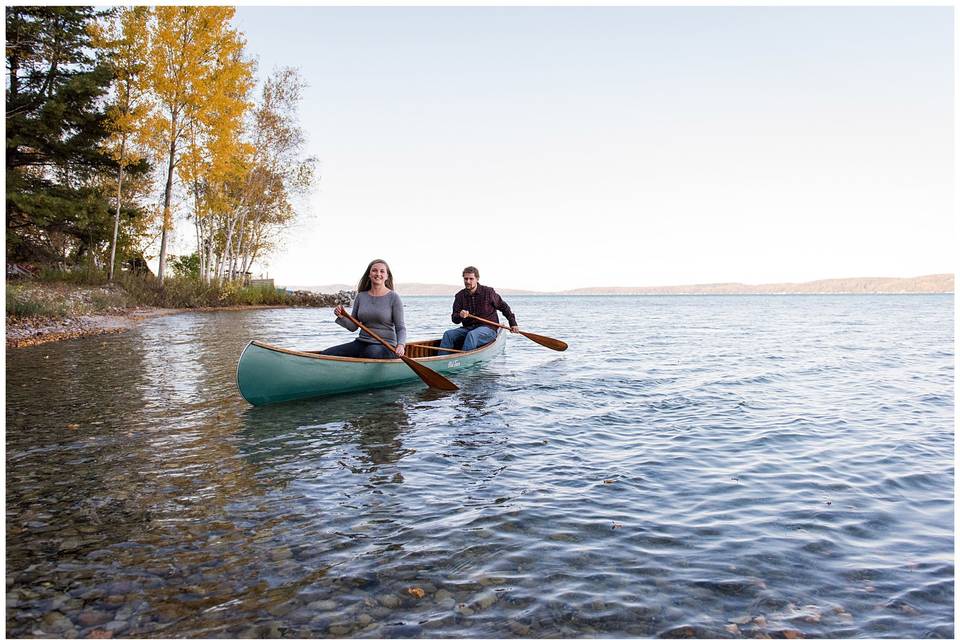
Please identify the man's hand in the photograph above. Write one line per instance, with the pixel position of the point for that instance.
(464, 313)
(514, 329)
(400, 350)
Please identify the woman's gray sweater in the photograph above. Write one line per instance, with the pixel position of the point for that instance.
(381, 314)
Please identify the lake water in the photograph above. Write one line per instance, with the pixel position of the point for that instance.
(702, 466)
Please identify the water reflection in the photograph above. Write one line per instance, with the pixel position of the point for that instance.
(288, 438)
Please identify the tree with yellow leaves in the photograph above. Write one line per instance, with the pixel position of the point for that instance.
(243, 190)
(197, 74)
(277, 172)
(215, 156)
(123, 36)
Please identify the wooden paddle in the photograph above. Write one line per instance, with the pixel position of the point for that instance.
(431, 377)
(550, 343)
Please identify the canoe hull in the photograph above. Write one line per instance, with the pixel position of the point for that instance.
(267, 374)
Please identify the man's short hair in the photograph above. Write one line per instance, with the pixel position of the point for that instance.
(473, 270)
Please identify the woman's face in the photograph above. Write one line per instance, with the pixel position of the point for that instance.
(378, 273)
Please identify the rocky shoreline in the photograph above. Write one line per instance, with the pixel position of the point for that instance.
(31, 331)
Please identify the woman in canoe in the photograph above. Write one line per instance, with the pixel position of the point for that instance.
(380, 309)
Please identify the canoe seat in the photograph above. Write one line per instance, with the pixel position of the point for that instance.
(415, 350)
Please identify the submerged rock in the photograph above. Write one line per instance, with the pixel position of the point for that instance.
(486, 601)
(518, 628)
(322, 605)
(93, 617)
(57, 621)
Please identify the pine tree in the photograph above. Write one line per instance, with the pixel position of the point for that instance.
(55, 126)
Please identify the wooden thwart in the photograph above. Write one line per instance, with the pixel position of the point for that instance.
(427, 346)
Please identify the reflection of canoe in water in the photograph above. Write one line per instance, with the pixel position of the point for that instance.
(267, 374)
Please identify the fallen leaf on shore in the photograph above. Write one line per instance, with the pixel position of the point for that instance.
(73, 426)
(416, 592)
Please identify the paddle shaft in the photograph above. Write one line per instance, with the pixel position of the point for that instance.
(546, 341)
(492, 324)
(431, 377)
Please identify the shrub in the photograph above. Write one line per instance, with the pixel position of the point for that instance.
(63, 293)
(78, 275)
(187, 292)
(26, 303)
(105, 299)
(187, 266)
(258, 295)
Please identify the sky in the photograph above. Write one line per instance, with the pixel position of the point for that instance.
(565, 147)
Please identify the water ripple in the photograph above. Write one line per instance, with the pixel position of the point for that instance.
(714, 467)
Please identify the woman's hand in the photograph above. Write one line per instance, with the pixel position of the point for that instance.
(339, 311)
(400, 350)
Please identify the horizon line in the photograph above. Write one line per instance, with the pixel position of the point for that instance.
(521, 290)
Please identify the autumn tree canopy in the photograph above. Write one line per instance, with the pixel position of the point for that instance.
(121, 121)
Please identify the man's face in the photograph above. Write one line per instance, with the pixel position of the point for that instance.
(470, 282)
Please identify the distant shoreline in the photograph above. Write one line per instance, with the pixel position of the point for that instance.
(541, 294)
(936, 283)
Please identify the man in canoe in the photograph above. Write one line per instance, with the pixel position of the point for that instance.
(483, 302)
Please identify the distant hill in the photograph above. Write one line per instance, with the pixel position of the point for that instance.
(938, 283)
(410, 289)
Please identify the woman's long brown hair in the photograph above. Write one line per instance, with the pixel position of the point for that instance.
(366, 285)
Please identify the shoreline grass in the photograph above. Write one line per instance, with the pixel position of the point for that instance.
(57, 294)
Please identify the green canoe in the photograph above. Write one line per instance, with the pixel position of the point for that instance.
(268, 374)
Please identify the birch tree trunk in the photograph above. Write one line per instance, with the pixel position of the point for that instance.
(198, 226)
(167, 196)
(116, 217)
(209, 250)
(238, 254)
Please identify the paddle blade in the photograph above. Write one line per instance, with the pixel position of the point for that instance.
(428, 375)
(550, 343)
